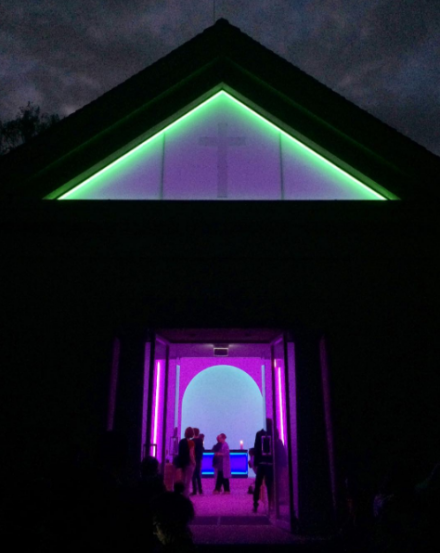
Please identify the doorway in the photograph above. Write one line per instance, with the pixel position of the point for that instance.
(236, 382)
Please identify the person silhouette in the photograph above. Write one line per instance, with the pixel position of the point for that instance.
(222, 464)
(199, 449)
(263, 462)
(186, 460)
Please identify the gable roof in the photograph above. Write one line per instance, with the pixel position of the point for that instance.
(222, 57)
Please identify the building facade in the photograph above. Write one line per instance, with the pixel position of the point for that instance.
(224, 197)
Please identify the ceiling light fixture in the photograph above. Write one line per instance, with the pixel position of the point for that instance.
(220, 351)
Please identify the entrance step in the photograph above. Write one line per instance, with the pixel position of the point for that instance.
(231, 521)
(263, 548)
(250, 533)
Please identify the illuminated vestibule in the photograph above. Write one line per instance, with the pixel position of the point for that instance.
(237, 395)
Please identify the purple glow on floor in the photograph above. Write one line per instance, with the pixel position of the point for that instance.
(238, 503)
(228, 519)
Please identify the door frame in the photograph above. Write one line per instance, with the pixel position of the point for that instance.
(289, 373)
(276, 520)
(154, 338)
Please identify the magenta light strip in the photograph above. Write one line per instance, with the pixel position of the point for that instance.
(156, 408)
(293, 436)
(144, 447)
(280, 393)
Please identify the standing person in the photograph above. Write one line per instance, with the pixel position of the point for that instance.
(263, 462)
(217, 460)
(222, 464)
(199, 449)
(186, 459)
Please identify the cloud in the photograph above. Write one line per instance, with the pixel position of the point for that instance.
(64, 55)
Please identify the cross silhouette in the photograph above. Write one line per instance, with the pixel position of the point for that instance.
(222, 142)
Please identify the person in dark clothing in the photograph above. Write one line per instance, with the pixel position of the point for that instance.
(172, 514)
(135, 514)
(151, 482)
(182, 458)
(263, 462)
(222, 464)
(199, 449)
(186, 460)
(217, 461)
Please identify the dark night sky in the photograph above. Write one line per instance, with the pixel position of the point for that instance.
(384, 55)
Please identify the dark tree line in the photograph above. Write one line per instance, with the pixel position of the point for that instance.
(28, 123)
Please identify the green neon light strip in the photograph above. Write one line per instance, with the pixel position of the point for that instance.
(141, 145)
(290, 137)
(249, 110)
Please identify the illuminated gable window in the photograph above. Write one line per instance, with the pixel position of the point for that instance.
(221, 150)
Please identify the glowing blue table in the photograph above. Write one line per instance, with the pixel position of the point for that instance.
(239, 464)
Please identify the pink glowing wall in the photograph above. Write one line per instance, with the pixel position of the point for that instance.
(190, 367)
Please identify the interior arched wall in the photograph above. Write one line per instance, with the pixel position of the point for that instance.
(223, 398)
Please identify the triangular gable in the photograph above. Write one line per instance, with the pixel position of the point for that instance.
(222, 150)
